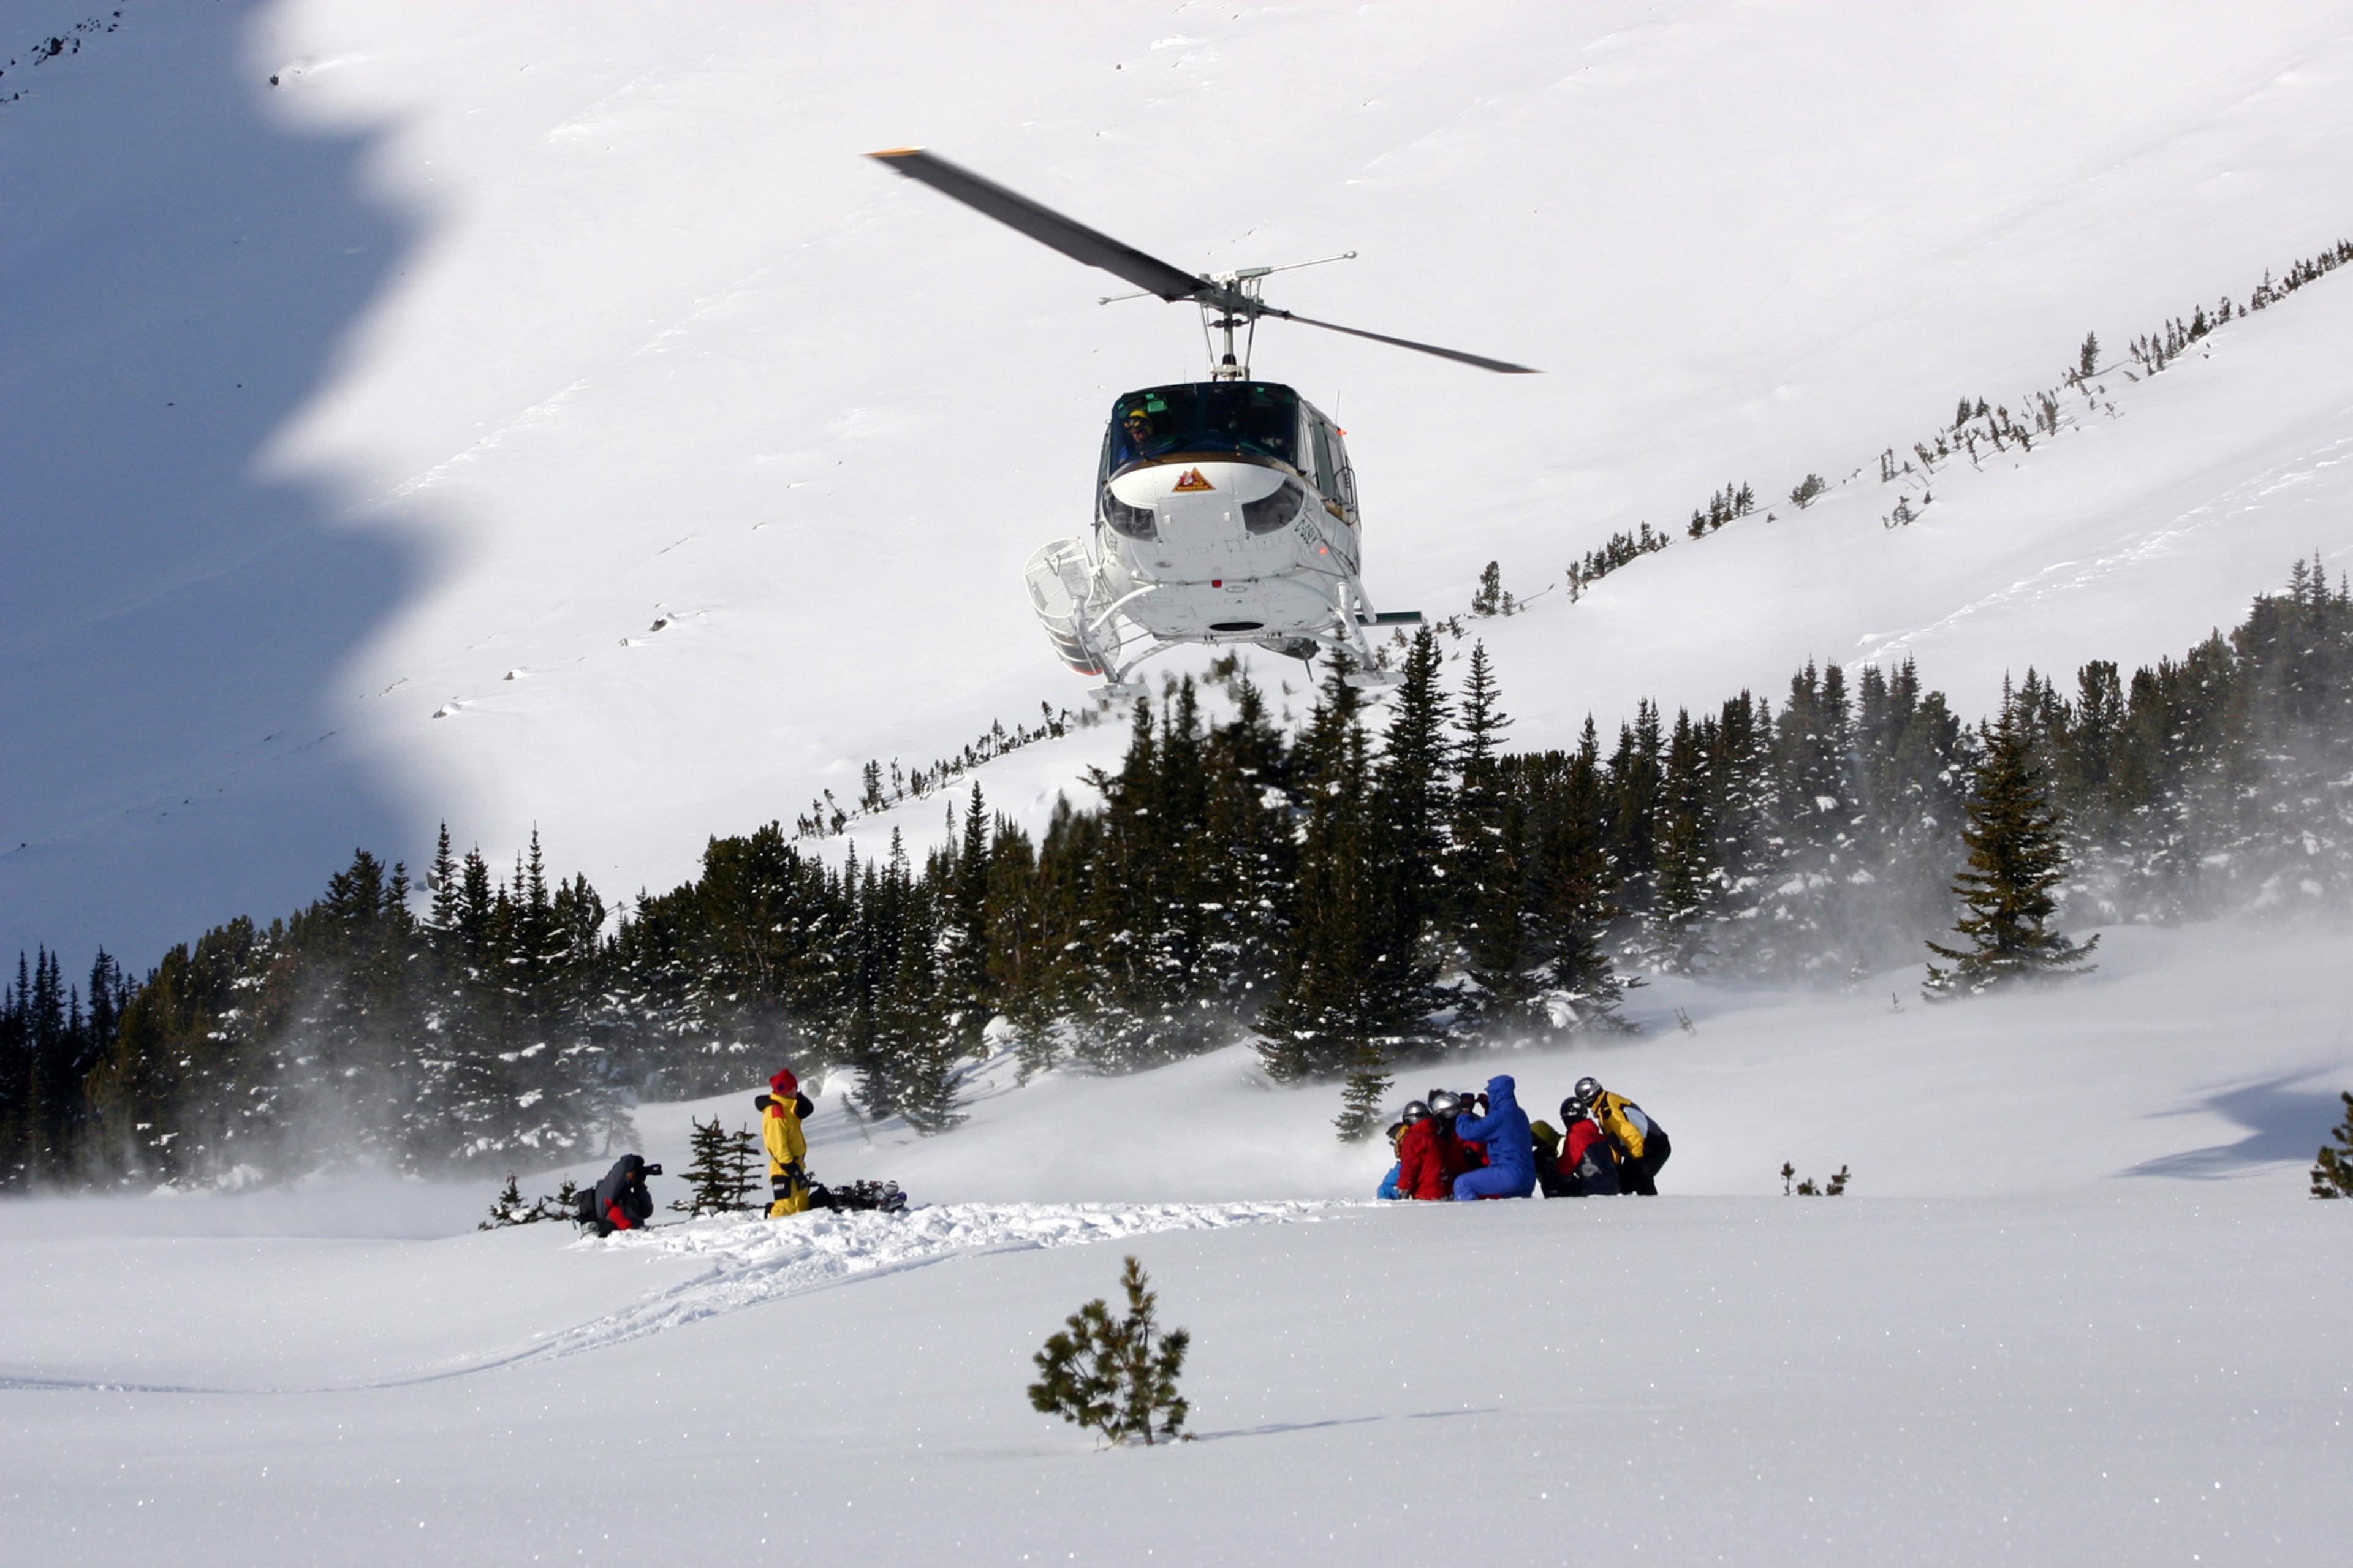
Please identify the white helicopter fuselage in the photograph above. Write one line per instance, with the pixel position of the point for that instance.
(1209, 570)
(1240, 532)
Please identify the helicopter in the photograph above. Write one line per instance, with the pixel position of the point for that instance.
(1224, 511)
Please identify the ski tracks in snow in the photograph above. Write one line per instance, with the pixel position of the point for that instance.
(2069, 577)
(749, 1260)
(752, 1260)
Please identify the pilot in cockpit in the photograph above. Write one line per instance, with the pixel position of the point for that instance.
(1136, 430)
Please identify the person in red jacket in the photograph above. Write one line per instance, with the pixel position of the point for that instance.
(621, 1201)
(1429, 1154)
(1446, 1105)
(1588, 1166)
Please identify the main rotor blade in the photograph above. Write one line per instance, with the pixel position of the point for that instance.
(1457, 355)
(1042, 224)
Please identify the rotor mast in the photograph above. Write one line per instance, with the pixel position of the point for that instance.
(1233, 301)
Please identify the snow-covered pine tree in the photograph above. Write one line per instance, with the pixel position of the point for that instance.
(1124, 992)
(1184, 884)
(1337, 1011)
(1570, 907)
(1247, 827)
(1909, 774)
(2016, 857)
(1021, 953)
(969, 990)
(1687, 886)
(1629, 813)
(1480, 723)
(1820, 830)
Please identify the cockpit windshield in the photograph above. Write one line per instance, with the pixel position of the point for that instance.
(1253, 418)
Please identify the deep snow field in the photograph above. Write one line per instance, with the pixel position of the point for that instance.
(2075, 1308)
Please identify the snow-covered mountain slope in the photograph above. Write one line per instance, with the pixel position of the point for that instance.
(426, 378)
(2074, 1306)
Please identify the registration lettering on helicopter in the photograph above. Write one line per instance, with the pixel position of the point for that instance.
(1193, 481)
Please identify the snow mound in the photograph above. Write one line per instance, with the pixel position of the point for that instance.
(750, 1260)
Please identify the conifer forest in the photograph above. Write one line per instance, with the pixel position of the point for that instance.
(1377, 889)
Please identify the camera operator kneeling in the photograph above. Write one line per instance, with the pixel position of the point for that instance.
(621, 1201)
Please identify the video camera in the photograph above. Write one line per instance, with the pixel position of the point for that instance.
(653, 1170)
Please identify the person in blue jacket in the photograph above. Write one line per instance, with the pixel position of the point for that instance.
(1511, 1169)
(1389, 1189)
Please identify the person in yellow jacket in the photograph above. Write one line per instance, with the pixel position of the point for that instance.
(780, 1131)
(1641, 1144)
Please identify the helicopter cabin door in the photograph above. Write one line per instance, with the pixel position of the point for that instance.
(1334, 479)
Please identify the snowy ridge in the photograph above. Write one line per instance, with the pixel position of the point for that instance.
(523, 327)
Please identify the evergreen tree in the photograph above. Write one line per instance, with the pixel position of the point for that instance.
(2016, 858)
(2332, 1172)
(1320, 1023)
(507, 1208)
(1118, 1377)
(1479, 797)
(1247, 829)
(720, 1173)
(1687, 883)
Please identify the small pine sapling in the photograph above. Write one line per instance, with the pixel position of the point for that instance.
(1489, 599)
(1835, 1187)
(560, 1206)
(1117, 1377)
(1807, 489)
(507, 1208)
(2333, 1177)
(743, 1163)
(2088, 359)
(720, 1174)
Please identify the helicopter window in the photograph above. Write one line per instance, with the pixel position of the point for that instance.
(1327, 473)
(1135, 522)
(1275, 511)
(1254, 417)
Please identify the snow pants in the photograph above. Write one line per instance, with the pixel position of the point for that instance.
(788, 1193)
(1491, 1182)
(1643, 1176)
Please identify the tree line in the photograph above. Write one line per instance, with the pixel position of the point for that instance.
(1382, 887)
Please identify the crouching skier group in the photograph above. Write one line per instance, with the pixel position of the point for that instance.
(1460, 1147)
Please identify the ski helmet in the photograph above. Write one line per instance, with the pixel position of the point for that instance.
(1573, 1109)
(1445, 1103)
(1414, 1111)
(1588, 1089)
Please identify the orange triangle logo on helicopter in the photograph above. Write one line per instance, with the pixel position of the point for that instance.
(1193, 481)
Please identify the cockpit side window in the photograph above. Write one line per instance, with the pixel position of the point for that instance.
(1327, 473)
